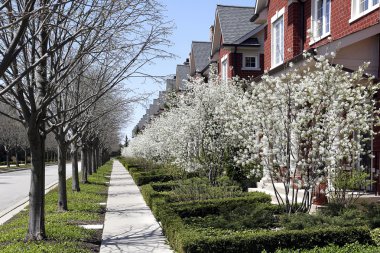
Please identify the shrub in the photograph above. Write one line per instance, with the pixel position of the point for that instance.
(375, 236)
(347, 218)
(252, 216)
(200, 188)
(213, 206)
(214, 240)
(348, 248)
(142, 178)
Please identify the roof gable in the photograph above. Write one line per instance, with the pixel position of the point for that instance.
(201, 52)
(234, 22)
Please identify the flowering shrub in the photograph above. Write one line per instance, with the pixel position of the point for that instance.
(308, 123)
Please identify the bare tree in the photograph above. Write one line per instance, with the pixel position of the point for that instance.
(123, 34)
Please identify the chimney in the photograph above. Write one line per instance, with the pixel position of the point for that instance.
(211, 32)
(186, 62)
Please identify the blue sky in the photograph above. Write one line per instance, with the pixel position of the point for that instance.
(192, 19)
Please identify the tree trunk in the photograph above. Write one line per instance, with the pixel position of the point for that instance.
(36, 224)
(84, 165)
(26, 157)
(93, 162)
(7, 157)
(89, 161)
(62, 192)
(74, 164)
(17, 161)
(100, 159)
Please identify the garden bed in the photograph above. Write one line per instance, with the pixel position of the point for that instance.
(197, 218)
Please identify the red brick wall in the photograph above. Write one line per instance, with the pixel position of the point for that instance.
(340, 27)
(237, 61)
(246, 74)
(276, 5)
(223, 52)
(340, 15)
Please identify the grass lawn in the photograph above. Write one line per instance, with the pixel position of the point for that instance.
(62, 230)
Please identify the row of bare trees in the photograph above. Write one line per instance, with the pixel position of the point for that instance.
(62, 69)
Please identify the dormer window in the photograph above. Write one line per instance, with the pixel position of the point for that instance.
(360, 8)
(321, 16)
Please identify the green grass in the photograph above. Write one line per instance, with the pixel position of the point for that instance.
(62, 230)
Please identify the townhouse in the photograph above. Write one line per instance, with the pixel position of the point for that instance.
(349, 28)
(237, 45)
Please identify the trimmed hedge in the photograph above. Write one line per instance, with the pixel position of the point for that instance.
(348, 248)
(188, 239)
(202, 208)
(185, 238)
(212, 240)
(142, 178)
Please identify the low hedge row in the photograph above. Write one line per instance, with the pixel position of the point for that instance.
(184, 238)
(142, 178)
(196, 240)
(202, 208)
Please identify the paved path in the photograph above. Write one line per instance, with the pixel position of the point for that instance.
(129, 224)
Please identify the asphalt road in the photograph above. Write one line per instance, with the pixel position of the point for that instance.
(14, 186)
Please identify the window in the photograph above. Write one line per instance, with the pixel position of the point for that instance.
(278, 41)
(224, 68)
(321, 16)
(360, 8)
(250, 61)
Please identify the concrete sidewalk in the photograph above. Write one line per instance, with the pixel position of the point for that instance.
(129, 224)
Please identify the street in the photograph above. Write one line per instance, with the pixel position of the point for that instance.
(14, 186)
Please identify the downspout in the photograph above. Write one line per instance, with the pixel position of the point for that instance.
(235, 61)
(302, 32)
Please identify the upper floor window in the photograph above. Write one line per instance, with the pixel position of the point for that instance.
(250, 61)
(321, 16)
(224, 68)
(278, 42)
(360, 8)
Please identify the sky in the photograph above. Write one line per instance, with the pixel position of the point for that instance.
(192, 19)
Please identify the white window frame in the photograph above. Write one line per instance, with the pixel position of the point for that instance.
(276, 18)
(356, 14)
(224, 67)
(314, 21)
(257, 61)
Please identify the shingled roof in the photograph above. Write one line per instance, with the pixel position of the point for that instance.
(201, 52)
(235, 22)
(182, 73)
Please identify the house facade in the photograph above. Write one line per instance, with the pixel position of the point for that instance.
(237, 45)
(349, 28)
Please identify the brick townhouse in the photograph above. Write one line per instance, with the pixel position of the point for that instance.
(237, 45)
(350, 28)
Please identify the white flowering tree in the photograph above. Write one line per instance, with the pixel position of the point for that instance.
(302, 127)
(306, 125)
(192, 133)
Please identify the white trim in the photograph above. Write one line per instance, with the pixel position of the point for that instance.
(355, 15)
(315, 40)
(277, 15)
(274, 19)
(224, 74)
